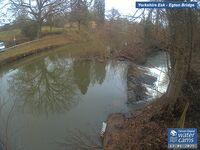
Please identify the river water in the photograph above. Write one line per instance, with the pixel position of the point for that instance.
(157, 66)
(54, 101)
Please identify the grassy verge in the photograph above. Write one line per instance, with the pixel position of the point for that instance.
(8, 35)
(29, 48)
(82, 44)
(47, 29)
(80, 51)
(85, 49)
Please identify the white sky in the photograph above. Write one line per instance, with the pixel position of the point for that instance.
(125, 7)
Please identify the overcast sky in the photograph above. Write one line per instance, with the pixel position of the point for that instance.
(125, 7)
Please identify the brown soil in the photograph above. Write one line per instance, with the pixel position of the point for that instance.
(135, 132)
(147, 129)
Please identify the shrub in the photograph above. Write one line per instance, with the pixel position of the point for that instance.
(29, 29)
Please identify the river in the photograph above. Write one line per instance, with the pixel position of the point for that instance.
(54, 101)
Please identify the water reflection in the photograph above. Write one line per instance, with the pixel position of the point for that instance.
(81, 140)
(47, 86)
(87, 72)
(1, 128)
(82, 75)
(71, 92)
(51, 84)
(99, 72)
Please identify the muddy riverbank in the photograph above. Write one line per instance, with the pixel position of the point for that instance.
(144, 84)
(147, 128)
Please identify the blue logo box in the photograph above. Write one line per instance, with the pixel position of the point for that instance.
(169, 5)
(182, 138)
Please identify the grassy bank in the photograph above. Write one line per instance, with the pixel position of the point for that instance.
(35, 46)
(8, 35)
(80, 44)
(85, 49)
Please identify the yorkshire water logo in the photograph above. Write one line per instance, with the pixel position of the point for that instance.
(173, 136)
(173, 133)
(182, 138)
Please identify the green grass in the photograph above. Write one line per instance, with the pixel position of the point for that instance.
(46, 29)
(53, 40)
(84, 49)
(8, 36)
(75, 50)
(77, 43)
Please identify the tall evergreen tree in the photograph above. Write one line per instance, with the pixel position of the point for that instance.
(99, 8)
(79, 11)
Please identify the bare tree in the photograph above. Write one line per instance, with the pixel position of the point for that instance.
(181, 46)
(38, 10)
(113, 14)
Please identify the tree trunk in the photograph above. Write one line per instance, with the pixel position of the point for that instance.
(180, 26)
(177, 79)
(39, 23)
(79, 25)
(39, 30)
